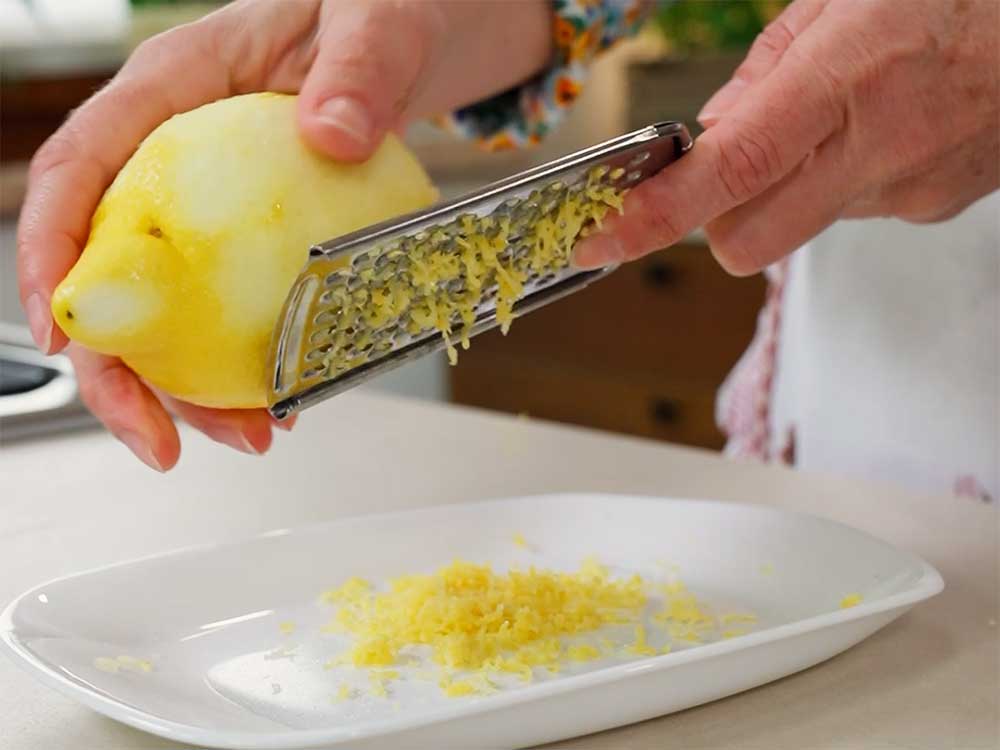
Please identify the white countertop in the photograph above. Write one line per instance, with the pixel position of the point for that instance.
(929, 681)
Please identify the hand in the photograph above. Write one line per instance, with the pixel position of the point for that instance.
(361, 68)
(843, 108)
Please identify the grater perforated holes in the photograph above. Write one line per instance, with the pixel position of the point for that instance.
(397, 273)
(318, 353)
(354, 283)
(328, 297)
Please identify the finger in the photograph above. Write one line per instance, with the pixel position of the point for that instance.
(246, 430)
(788, 214)
(126, 407)
(758, 143)
(764, 55)
(369, 60)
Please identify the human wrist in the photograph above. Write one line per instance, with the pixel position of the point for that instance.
(484, 47)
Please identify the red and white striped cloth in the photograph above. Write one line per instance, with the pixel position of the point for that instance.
(743, 408)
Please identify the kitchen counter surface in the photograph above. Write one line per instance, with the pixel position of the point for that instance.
(928, 681)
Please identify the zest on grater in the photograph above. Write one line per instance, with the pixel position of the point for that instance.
(374, 299)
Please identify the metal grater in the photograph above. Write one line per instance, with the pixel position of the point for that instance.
(318, 352)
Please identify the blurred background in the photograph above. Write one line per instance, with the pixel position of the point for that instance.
(642, 352)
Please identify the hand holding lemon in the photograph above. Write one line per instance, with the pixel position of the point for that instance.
(215, 211)
(196, 243)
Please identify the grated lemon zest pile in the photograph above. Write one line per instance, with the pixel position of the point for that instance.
(474, 619)
(683, 615)
(481, 623)
(582, 652)
(457, 689)
(641, 647)
(349, 591)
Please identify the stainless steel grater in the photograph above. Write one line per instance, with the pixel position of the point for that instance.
(325, 342)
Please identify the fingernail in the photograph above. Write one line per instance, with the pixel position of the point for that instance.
(348, 115)
(722, 101)
(142, 449)
(597, 251)
(236, 439)
(39, 321)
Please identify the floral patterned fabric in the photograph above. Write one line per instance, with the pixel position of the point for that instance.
(524, 115)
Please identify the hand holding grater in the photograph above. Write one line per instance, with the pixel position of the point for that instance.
(374, 299)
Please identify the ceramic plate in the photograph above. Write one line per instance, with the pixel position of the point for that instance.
(223, 645)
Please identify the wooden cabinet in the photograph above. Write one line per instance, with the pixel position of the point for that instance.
(642, 351)
(33, 108)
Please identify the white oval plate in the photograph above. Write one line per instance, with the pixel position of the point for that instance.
(223, 674)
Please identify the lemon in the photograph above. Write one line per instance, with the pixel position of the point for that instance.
(198, 240)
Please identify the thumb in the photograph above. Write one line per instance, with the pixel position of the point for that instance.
(367, 65)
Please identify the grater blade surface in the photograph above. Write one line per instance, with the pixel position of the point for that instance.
(330, 336)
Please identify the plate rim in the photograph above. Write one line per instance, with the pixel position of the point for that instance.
(929, 584)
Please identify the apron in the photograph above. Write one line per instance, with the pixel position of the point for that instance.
(878, 355)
